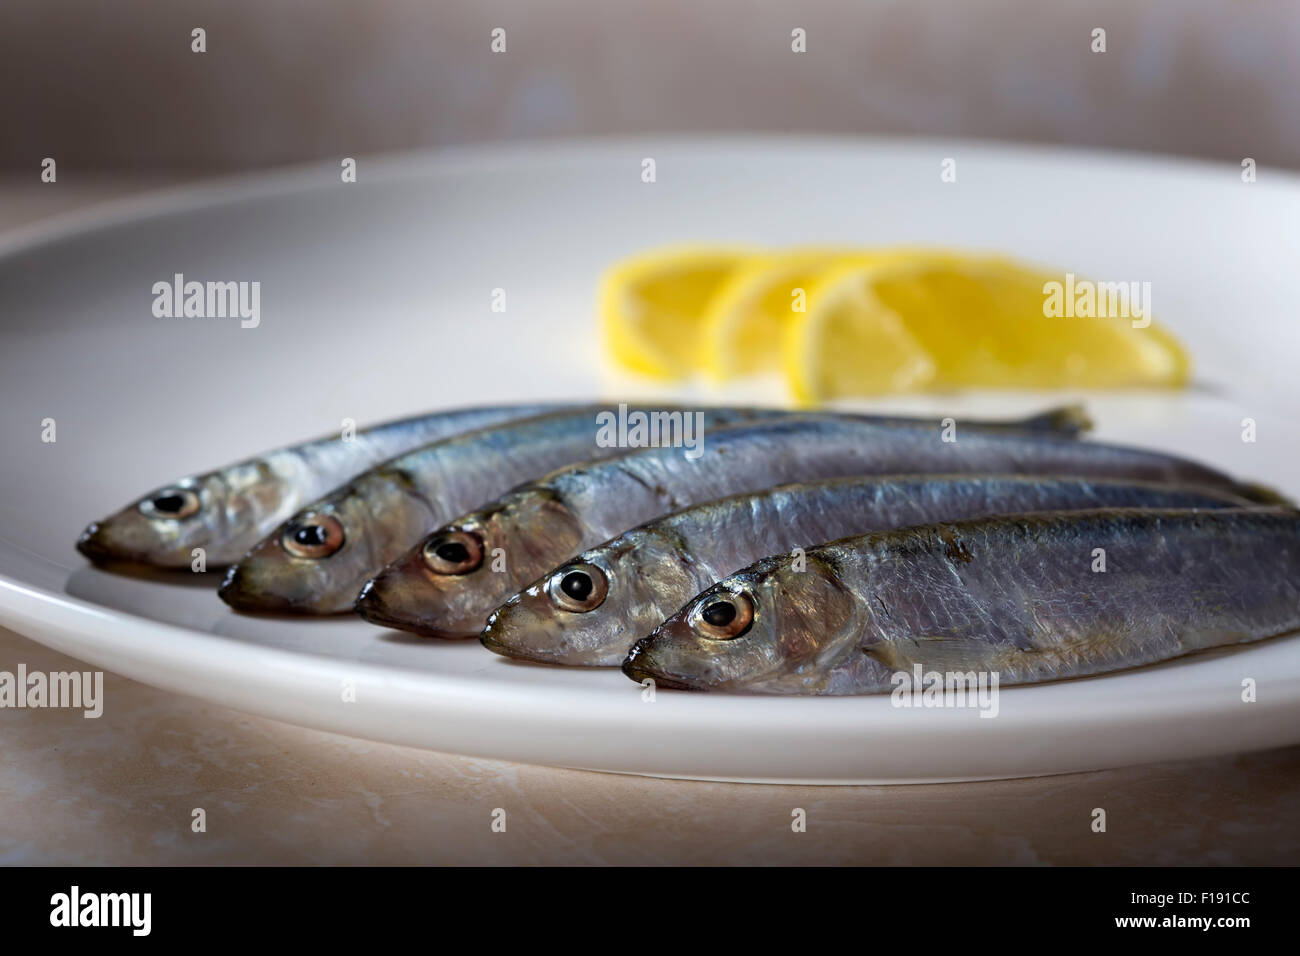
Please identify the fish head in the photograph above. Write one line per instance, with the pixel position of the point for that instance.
(587, 612)
(318, 560)
(755, 630)
(448, 584)
(218, 512)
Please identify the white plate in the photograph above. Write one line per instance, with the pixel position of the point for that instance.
(375, 303)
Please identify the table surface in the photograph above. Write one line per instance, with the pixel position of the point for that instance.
(123, 788)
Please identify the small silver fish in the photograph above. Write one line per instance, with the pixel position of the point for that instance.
(317, 561)
(590, 611)
(1017, 596)
(226, 511)
(448, 584)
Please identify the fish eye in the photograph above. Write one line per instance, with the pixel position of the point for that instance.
(454, 552)
(313, 536)
(724, 616)
(172, 503)
(578, 587)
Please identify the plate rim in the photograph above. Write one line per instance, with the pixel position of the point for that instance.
(215, 189)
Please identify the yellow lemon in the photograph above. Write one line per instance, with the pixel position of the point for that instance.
(747, 317)
(947, 322)
(850, 343)
(652, 306)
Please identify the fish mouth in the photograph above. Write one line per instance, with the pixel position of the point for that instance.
(242, 596)
(497, 646)
(639, 674)
(636, 670)
(234, 592)
(371, 606)
(388, 605)
(488, 640)
(92, 545)
(529, 641)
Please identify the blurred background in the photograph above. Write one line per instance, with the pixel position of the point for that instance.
(113, 84)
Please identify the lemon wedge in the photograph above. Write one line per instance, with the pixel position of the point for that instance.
(747, 317)
(851, 343)
(946, 322)
(652, 306)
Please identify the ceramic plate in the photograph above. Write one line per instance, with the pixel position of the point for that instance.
(376, 302)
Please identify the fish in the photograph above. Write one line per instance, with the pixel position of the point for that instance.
(448, 584)
(226, 511)
(317, 559)
(1019, 598)
(590, 611)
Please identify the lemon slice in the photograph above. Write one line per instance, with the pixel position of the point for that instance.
(652, 306)
(945, 322)
(746, 320)
(851, 343)
(748, 317)
(985, 322)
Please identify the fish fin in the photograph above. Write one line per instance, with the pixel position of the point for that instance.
(1068, 420)
(1264, 495)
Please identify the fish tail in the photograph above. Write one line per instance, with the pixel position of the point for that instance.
(1067, 420)
(1264, 495)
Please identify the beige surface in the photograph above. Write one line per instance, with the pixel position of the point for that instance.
(116, 84)
(122, 788)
